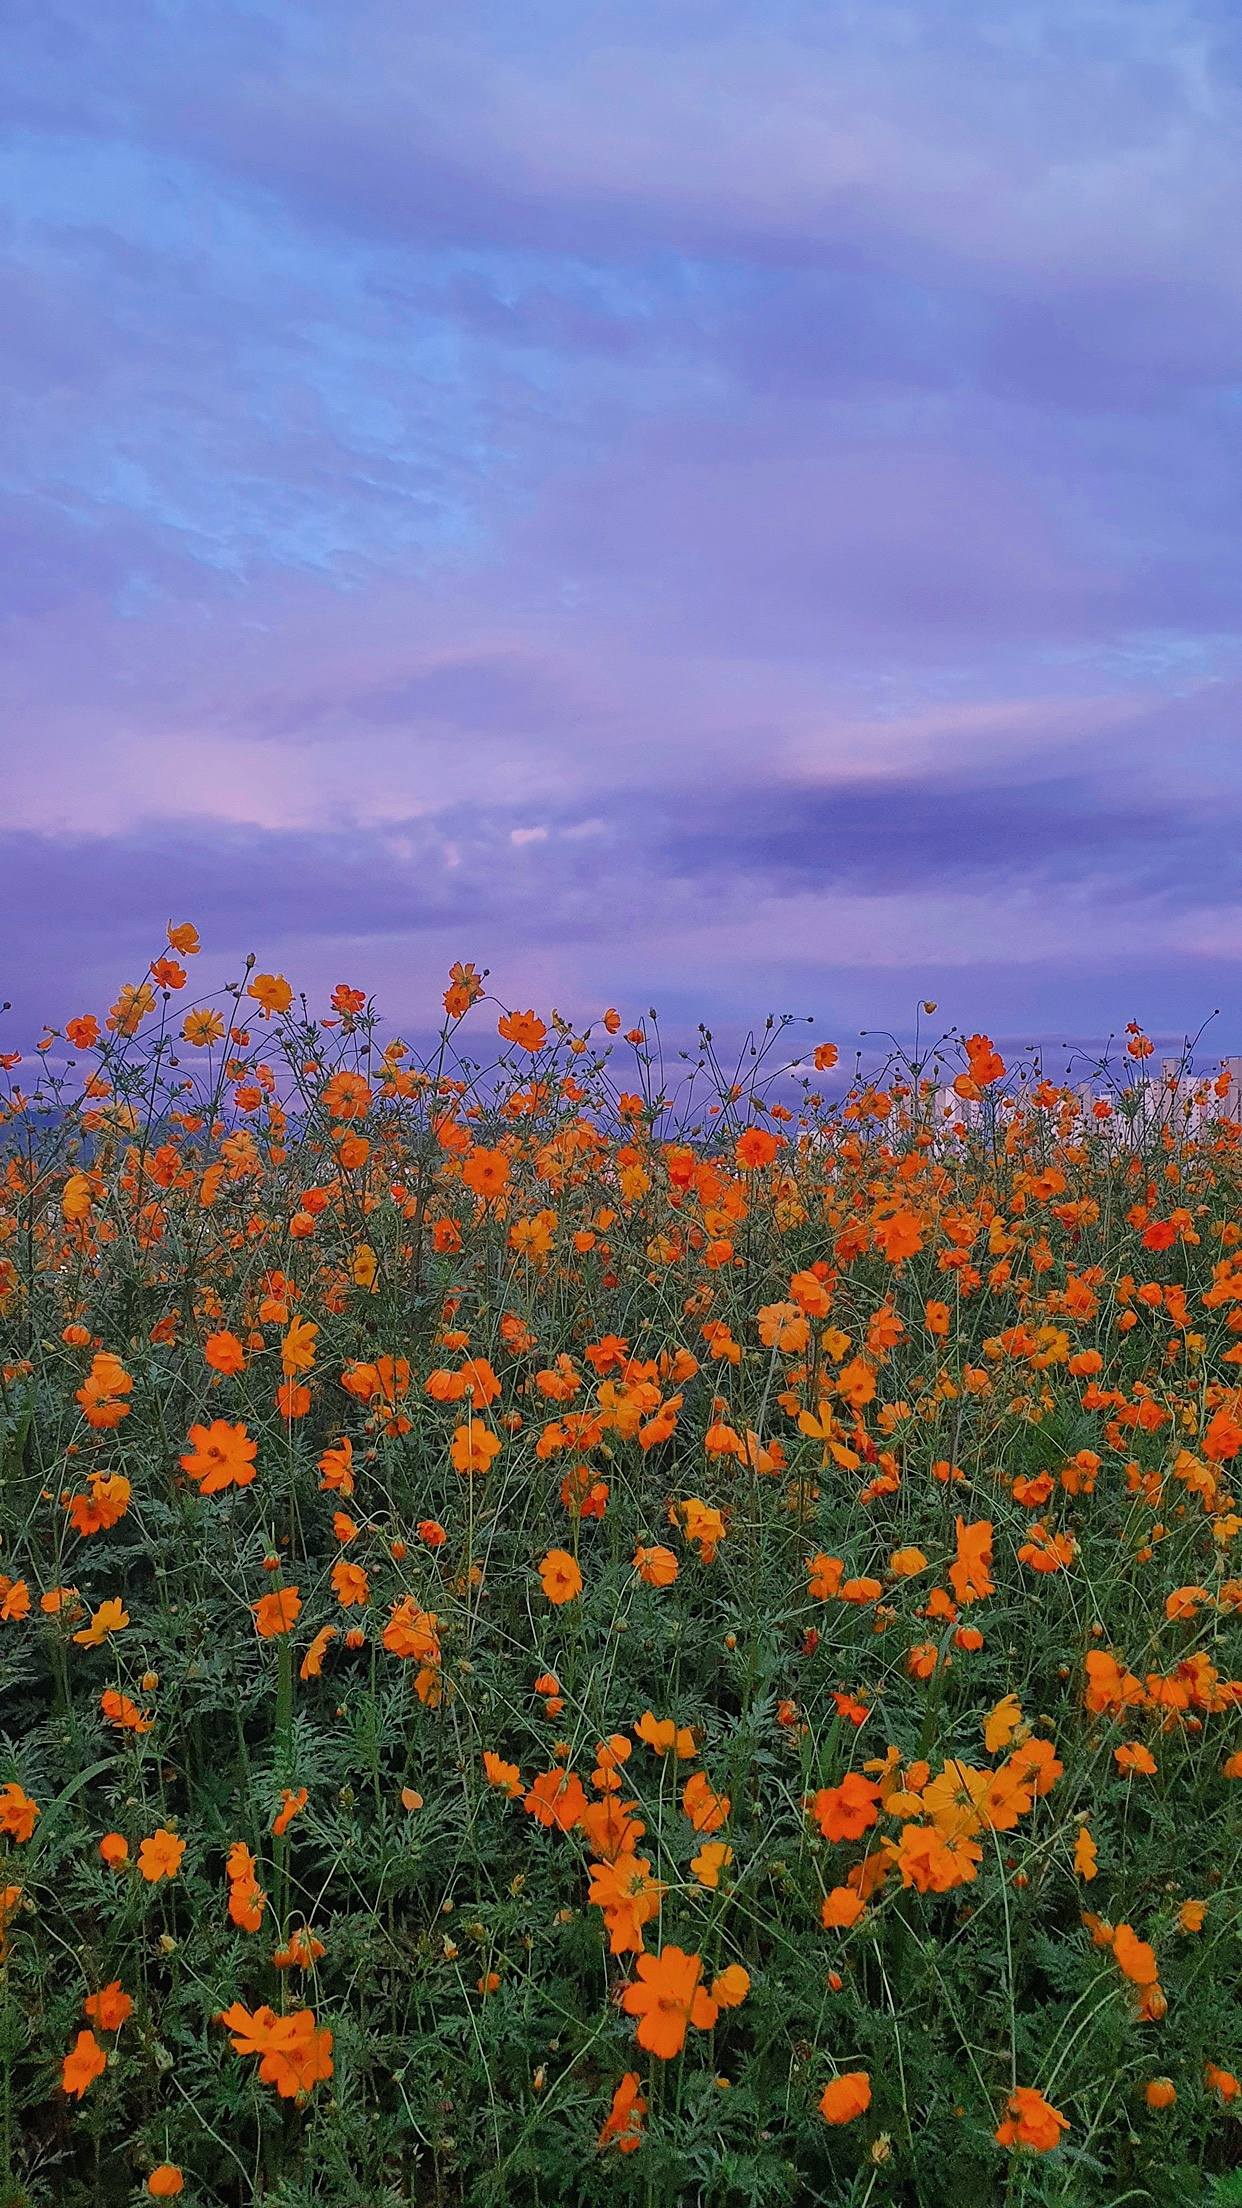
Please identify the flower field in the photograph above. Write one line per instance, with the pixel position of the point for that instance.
(582, 1626)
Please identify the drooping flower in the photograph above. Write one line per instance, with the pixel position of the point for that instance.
(846, 2097)
(1031, 2121)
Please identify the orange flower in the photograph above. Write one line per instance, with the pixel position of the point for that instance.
(658, 1567)
(473, 1447)
(667, 1998)
(104, 1506)
(350, 1584)
(85, 2062)
(755, 1149)
(845, 1812)
(101, 1393)
(846, 2097)
(556, 1799)
(840, 1909)
(291, 1806)
(276, 1613)
(464, 989)
(622, 2127)
(971, 1571)
(523, 1028)
(224, 1353)
(706, 1809)
(628, 1896)
(1085, 1855)
(111, 1617)
(294, 2052)
(114, 1850)
(17, 1812)
(413, 1634)
(271, 992)
(1030, 2121)
(730, 1987)
(312, 1663)
(220, 1456)
(506, 1776)
(713, 1857)
(160, 1855)
(336, 1467)
(124, 1714)
(1134, 1957)
(109, 2008)
(165, 2182)
(665, 1737)
(562, 1581)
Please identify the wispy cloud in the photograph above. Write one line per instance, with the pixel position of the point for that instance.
(653, 485)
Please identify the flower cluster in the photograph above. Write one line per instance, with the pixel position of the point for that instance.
(565, 1640)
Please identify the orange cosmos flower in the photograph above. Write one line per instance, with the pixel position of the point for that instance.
(846, 2097)
(165, 2182)
(224, 1353)
(276, 1613)
(506, 1776)
(109, 2008)
(1030, 2121)
(657, 1566)
(85, 2062)
(111, 1617)
(1134, 1957)
(18, 1813)
(730, 1987)
(291, 1805)
(464, 989)
(971, 1571)
(667, 1998)
(523, 1028)
(104, 1506)
(220, 1456)
(713, 1857)
(473, 1447)
(756, 1148)
(622, 2127)
(706, 1809)
(628, 1896)
(295, 2054)
(556, 1799)
(665, 1737)
(350, 1584)
(846, 1811)
(562, 1580)
(312, 1663)
(1085, 1855)
(841, 1908)
(160, 1855)
(271, 992)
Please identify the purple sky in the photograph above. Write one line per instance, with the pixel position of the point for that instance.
(724, 503)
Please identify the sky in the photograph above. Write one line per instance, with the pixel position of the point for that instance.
(723, 504)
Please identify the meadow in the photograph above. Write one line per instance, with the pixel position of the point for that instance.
(582, 1625)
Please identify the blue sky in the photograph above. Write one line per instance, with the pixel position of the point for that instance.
(721, 505)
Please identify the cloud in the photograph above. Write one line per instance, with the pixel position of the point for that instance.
(647, 484)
